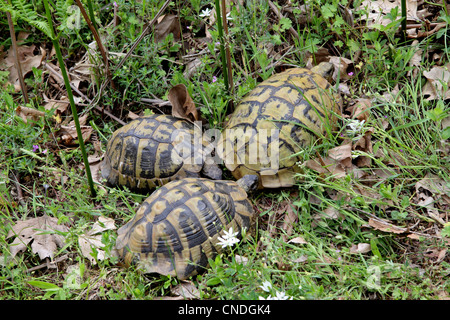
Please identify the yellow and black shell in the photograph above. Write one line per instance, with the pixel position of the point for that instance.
(151, 151)
(175, 231)
(295, 107)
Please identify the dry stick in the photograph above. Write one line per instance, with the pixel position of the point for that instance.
(97, 39)
(16, 58)
(19, 189)
(279, 16)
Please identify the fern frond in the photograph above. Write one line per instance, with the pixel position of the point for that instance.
(43, 26)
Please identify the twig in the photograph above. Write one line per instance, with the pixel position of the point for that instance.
(19, 189)
(16, 58)
(155, 101)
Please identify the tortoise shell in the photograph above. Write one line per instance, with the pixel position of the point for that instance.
(151, 151)
(296, 103)
(175, 230)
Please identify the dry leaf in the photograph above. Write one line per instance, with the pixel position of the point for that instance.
(298, 240)
(27, 60)
(341, 66)
(361, 109)
(182, 104)
(386, 226)
(438, 84)
(342, 154)
(167, 24)
(428, 203)
(241, 259)
(93, 239)
(59, 105)
(132, 115)
(303, 258)
(290, 218)
(102, 224)
(29, 113)
(69, 135)
(326, 166)
(41, 233)
(377, 11)
(430, 190)
(416, 60)
(186, 290)
(433, 184)
(192, 67)
(360, 248)
(331, 213)
(364, 144)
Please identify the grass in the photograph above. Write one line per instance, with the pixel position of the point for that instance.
(409, 143)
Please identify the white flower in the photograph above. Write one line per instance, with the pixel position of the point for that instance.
(356, 126)
(205, 13)
(229, 239)
(266, 286)
(281, 296)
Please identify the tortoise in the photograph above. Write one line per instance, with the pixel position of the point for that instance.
(176, 229)
(153, 150)
(298, 104)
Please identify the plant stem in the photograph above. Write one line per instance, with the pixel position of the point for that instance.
(404, 19)
(16, 58)
(227, 49)
(70, 96)
(91, 14)
(222, 46)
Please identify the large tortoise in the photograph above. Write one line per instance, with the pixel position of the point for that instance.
(153, 150)
(176, 229)
(299, 105)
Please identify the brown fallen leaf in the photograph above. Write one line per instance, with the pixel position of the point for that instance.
(42, 232)
(93, 239)
(364, 144)
(69, 135)
(386, 226)
(361, 109)
(341, 66)
(430, 190)
(182, 104)
(60, 105)
(167, 24)
(438, 83)
(298, 240)
(29, 113)
(342, 154)
(186, 290)
(290, 218)
(377, 11)
(27, 60)
(360, 248)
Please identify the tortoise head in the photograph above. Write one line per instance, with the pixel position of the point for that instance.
(249, 182)
(325, 69)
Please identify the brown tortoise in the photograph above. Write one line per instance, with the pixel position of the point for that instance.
(176, 229)
(299, 104)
